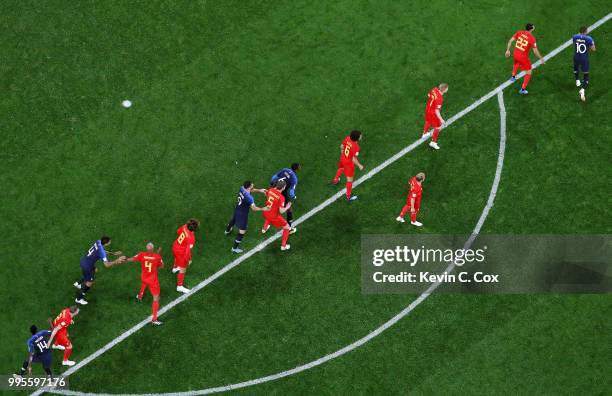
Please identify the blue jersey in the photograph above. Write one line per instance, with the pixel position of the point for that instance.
(38, 344)
(289, 176)
(245, 200)
(96, 252)
(582, 43)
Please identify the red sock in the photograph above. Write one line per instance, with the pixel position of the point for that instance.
(404, 211)
(155, 308)
(413, 216)
(266, 224)
(526, 80)
(515, 69)
(338, 174)
(67, 353)
(349, 189)
(436, 132)
(180, 279)
(142, 290)
(426, 128)
(285, 236)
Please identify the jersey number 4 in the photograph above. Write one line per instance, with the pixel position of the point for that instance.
(148, 265)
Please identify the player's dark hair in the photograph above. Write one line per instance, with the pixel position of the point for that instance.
(247, 184)
(529, 26)
(105, 239)
(280, 184)
(33, 329)
(296, 166)
(193, 224)
(355, 135)
(583, 29)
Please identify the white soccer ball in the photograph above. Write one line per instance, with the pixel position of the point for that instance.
(126, 103)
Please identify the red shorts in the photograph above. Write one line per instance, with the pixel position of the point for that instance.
(61, 338)
(277, 221)
(180, 260)
(523, 63)
(152, 285)
(433, 120)
(349, 168)
(417, 202)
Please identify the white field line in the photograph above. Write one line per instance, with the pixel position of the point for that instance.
(303, 218)
(379, 330)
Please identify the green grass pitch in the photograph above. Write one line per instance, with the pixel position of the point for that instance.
(225, 91)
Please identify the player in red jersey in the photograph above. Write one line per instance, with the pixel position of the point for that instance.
(524, 42)
(433, 119)
(60, 327)
(413, 201)
(182, 252)
(276, 202)
(149, 261)
(349, 150)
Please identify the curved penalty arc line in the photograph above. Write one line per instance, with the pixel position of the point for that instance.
(373, 334)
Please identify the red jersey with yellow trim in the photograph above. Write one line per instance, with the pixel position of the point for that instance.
(149, 263)
(275, 200)
(64, 319)
(184, 242)
(434, 101)
(416, 190)
(524, 42)
(350, 149)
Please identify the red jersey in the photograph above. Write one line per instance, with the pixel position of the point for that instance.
(434, 101)
(275, 201)
(416, 190)
(524, 42)
(64, 319)
(184, 242)
(350, 149)
(149, 263)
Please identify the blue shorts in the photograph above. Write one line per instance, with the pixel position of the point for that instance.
(44, 358)
(242, 219)
(89, 273)
(581, 64)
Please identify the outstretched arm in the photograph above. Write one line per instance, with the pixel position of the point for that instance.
(120, 260)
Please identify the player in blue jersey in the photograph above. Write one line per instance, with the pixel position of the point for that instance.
(39, 351)
(289, 175)
(582, 45)
(241, 212)
(96, 252)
